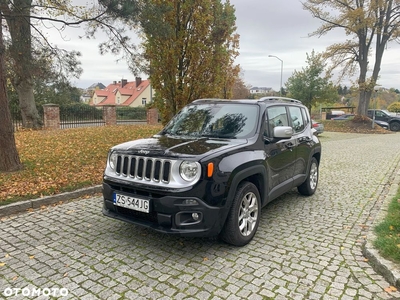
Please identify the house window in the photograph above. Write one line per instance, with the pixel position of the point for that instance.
(144, 101)
(118, 99)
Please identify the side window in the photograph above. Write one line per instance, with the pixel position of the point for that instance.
(297, 119)
(305, 117)
(277, 116)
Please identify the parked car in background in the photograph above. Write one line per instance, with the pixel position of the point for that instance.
(382, 124)
(318, 127)
(344, 117)
(380, 115)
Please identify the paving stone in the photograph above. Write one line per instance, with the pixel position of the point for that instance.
(305, 248)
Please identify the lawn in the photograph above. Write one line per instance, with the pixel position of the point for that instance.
(388, 232)
(63, 160)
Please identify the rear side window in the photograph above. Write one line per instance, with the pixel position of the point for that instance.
(305, 116)
(297, 119)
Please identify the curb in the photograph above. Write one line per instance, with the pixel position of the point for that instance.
(24, 206)
(389, 270)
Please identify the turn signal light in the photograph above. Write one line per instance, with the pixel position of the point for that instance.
(210, 169)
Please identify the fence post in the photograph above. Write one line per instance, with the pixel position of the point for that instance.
(110, 114)
(51, 116)
(152, 116)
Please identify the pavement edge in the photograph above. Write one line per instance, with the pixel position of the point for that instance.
(23, 206)
(389, 270)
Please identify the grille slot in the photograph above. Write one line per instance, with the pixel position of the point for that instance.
(144, 168)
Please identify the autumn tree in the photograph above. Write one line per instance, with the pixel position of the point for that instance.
(312, 84)
(369, 25)
(9, 159)
(25, 17)
(190, 46)
(240, 90)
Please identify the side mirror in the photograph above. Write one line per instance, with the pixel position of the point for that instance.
(283, 132)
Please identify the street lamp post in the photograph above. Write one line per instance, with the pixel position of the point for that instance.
(280, 91)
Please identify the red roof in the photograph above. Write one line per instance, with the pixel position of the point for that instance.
(130, 89)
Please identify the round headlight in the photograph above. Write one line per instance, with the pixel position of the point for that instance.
(113, 160)
(188, 170)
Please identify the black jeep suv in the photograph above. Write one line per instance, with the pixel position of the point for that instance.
(213, 167)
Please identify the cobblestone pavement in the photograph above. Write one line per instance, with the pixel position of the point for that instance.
(305, 248)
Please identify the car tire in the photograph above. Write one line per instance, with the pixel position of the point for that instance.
(395, 126)
(309, 186)
(244, 216)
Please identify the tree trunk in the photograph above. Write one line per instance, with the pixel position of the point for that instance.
(18, 21)
(9, 159)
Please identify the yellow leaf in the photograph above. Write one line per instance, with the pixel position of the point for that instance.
(2, 264)
(7, 255)
(32, 257)
(205, 258)
(391, 227)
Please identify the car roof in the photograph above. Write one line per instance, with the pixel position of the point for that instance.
(265, 100)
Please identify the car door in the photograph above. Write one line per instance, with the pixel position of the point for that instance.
(279, 153)
(299, 121)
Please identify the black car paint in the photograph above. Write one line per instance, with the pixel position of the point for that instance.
(256, 158)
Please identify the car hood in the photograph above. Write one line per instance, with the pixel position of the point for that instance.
(166, 146)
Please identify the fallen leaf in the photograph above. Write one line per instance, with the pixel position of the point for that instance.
(2, 264)
(15, 278)
(205, 258)
(32, 257)
(390, 289)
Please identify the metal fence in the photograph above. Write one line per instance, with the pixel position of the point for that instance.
(131, 115)
(80, 115)
(16, 116)
(83, 115)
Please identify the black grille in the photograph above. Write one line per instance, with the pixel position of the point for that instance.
(144, 168)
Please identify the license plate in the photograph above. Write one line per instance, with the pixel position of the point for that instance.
(132, 203)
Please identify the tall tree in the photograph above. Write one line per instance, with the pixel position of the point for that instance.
(190, 46)
(60, 13)
(9, 159)
(312, 84)
(367, 23)
(17, 16)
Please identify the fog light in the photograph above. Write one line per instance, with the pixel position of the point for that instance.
(195, 216)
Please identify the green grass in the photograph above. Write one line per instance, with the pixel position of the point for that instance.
(388, 232)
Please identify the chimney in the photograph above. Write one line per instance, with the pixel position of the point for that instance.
(138, 81)
(124, 82)
(114, 82)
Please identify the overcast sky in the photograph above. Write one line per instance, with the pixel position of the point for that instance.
(266, 27)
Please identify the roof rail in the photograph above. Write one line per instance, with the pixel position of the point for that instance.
(271, 98)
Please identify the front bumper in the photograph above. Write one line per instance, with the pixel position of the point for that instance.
(168, 214)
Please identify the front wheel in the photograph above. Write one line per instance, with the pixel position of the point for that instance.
(395, 126)
(244, 216)
(308, 187)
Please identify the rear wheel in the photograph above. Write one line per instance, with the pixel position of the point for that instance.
(244, 216)
(395, 126)
(309, 186)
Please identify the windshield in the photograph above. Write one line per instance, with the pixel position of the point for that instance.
(221, 120)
